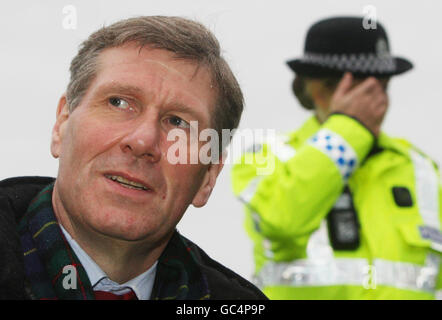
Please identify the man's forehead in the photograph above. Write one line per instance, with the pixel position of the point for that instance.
(158, 60)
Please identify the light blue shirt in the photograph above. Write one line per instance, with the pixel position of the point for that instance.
(141, 285)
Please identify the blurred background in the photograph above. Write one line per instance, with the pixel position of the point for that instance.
(39, 39)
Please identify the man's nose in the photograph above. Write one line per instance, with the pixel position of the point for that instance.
(143, 141)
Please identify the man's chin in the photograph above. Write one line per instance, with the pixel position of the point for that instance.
(134, 231)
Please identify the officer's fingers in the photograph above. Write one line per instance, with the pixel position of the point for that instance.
(362, 102)
(343, 86)
(369, 85)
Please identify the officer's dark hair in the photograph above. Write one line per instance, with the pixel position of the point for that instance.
(299, 90)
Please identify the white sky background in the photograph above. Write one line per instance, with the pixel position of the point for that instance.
(257, 38)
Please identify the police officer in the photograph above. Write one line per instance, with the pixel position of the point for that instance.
(348, 212)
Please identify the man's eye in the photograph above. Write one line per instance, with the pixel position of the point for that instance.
(119, 103)
(178, 122)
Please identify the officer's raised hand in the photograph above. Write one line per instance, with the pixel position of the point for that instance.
(367, 101)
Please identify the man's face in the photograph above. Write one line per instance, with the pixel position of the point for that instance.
(119, 131)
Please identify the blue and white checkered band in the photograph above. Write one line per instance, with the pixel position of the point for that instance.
(337, 149)
(362, 62)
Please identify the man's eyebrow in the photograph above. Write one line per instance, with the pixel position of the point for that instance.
(134, 90)
(118, 87)
(180, 107)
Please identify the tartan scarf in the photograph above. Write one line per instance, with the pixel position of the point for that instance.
(49, 259)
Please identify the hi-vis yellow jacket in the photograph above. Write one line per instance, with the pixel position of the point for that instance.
(286, 209)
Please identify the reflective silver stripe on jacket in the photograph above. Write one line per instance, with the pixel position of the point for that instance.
(247, 194)
(305, 272)
(409, 276)
(283, 151)
(318, 246)
(347, 271)
(427, 189)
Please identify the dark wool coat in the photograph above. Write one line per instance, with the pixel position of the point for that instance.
(182, 264)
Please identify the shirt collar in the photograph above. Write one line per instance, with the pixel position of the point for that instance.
(141, 285)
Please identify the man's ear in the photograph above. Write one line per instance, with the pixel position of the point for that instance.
(209, 181)
(57, 131)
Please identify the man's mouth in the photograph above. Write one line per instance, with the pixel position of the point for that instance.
(127, 183)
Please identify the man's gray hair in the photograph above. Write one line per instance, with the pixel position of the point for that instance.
(187, 39)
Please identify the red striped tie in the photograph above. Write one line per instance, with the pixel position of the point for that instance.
(103, 295)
